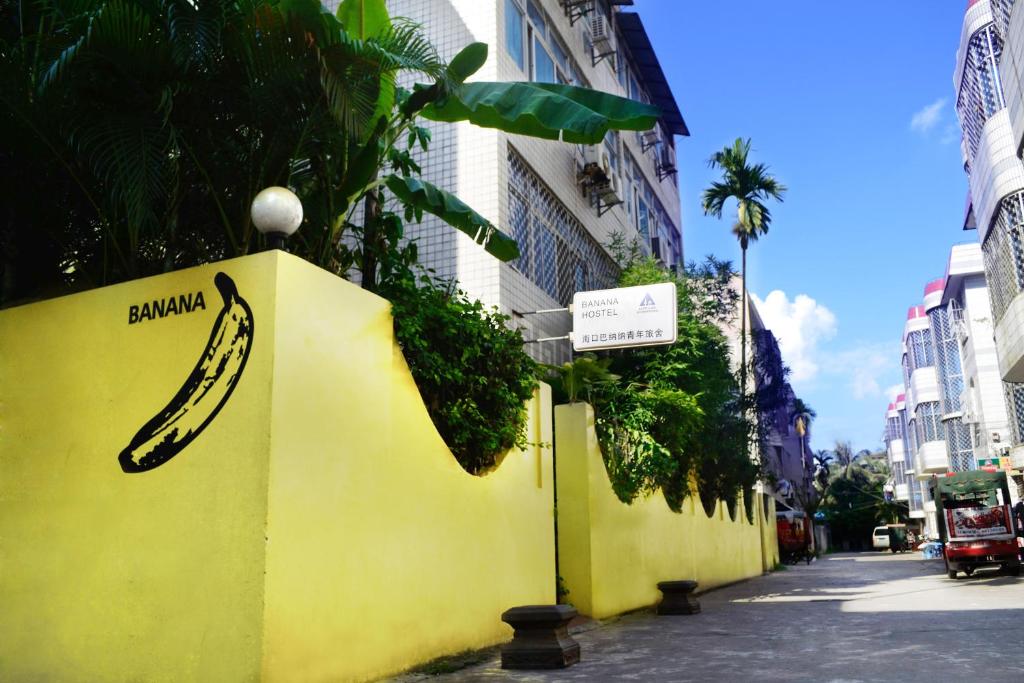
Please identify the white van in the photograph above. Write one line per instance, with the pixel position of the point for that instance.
(880, 538)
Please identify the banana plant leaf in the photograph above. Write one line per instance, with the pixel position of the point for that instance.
(543, 110)
(364, 18)
(453, 211)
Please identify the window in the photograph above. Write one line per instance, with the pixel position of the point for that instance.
(611, 143)
(514, 33)
(623, 69)
(641, 212)
(920, 345)
(556, 252)
(537, 19)
(548, 59)
(561, 58)
(930, 427)
(543, 65)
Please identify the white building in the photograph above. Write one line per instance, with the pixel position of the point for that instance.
(991, 113)
(982, 406)
(952, 416)
(1009, 20)
(535, 190)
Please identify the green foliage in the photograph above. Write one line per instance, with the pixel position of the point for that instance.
(420, 195)
(135, 135)
(470, 369)
(543, 110)
(583, 376)
(751, 185)
(674, 417)
(855, 500)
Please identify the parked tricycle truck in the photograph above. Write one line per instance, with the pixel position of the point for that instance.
(975, 525)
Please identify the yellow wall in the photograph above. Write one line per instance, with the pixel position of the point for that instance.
(419, 558)
(613, 555)
(317, 529)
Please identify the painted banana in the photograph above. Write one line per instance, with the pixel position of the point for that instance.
(205, 391)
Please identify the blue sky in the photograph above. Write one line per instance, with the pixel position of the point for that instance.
(850, 104)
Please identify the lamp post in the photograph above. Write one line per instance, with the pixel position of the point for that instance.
(277, 213)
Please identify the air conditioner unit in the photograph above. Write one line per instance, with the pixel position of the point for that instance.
(665, 156)
(611, 191)
(666, 165)
(596, 164)
(648, 139)
(601, 33)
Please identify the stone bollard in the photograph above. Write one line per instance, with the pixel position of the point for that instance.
(541, 639)
(677, 597)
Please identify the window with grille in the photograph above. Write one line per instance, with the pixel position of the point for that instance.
(555, 251)
(929, 424)
(1014, 394)
(958, 440)
(947, 359)
(919, 344)
(1003, 251)
(981, 94)
(903, 427)
(894, 429)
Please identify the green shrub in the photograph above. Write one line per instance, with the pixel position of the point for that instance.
(470, 368)
(675, 415)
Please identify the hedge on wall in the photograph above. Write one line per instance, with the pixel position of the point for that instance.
(470, 368)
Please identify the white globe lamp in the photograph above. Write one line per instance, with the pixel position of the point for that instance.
(277, 213)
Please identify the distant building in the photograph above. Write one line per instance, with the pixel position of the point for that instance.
(952, 414)
(788, 458)
(563, 203)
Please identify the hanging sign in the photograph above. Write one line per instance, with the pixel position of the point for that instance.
(624, 317)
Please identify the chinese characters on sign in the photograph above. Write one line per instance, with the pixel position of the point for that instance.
(624, 317)
(978, 522)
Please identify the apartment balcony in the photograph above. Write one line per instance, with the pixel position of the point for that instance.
(932, 458)
(924, 387)
(896, 453)
(995, 171)
(1010, 341)
(902, 492)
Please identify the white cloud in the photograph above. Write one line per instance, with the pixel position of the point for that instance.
(863, 369)
(799, 325)
(892, 392)
(925, 119)
(865, 365)
(950, 134)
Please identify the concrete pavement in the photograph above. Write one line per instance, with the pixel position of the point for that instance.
(846, 618)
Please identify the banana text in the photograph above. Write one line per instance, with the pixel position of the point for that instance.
(183, 303)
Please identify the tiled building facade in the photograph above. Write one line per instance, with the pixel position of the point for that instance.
(533, 189)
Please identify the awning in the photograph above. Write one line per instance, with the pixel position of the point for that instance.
(646, 63)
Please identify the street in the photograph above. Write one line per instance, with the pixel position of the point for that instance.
(847, 617)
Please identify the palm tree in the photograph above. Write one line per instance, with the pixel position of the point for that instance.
(801, 416)
(751, 185)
